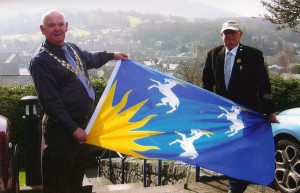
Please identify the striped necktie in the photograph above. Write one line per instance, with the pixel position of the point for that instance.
(84, 80)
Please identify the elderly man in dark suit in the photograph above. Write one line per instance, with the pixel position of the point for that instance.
(237, 72)
(60, 73)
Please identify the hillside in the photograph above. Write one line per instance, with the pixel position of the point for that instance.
(144, 35)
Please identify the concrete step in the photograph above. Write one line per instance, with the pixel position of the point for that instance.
(87, 187)
(212, 185)
(102, 184)
(118, 188)
(31, 189)
(195, 187)
(99, 182)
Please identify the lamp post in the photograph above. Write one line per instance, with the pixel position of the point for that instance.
(31, 122)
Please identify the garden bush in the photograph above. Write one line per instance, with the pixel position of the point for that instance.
(13, 108)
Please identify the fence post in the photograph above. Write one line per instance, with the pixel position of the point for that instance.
(111, 169)
(197, 174)
(145, 173)
(159, 172)
(31, 122)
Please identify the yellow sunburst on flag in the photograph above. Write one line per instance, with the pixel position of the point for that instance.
(113, 130)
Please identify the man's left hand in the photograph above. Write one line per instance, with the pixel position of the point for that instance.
(272, 118)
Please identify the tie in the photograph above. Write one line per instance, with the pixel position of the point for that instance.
(227, 69)
(84, 80)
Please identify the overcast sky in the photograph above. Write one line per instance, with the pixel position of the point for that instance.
(247, 8)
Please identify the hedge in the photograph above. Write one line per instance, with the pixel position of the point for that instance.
(286, 93)
(13, 108)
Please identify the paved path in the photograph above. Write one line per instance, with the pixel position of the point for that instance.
(210, 182)
(217, 185)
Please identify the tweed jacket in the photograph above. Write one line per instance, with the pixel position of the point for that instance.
(249, 83)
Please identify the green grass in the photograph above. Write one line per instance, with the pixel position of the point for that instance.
(22, 177)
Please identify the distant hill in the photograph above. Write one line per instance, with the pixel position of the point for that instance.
(183, 8)
(175, 22)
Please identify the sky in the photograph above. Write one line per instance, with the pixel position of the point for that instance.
(247, 8)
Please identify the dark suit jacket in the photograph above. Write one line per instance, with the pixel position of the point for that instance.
(249, 84)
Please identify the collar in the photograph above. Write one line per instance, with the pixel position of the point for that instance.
(51, 46)
(233, 51)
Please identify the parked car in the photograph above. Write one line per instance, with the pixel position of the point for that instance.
(9, 173)
(287, 154)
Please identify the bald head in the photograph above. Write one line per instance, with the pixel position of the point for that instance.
(50, 13)
(54, 27)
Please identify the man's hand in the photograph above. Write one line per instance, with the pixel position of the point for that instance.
(120, 56)
(80, 135)
(272, 118)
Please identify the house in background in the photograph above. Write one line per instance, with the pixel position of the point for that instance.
(275, 69)
(10, 66)
(12, 70)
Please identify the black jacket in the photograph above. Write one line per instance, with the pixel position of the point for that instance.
(249, 84)
(61, 94)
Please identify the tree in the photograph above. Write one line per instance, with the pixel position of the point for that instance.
(284, 13)
(190, 72)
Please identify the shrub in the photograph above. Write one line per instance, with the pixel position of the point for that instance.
(286, 93)
(13, 108)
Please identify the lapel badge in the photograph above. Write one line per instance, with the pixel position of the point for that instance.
(239, 61)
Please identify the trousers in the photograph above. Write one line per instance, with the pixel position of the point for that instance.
(63, 159)
(237, 186)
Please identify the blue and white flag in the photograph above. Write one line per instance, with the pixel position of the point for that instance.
(148, 114)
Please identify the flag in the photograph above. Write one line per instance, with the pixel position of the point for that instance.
(148, 114)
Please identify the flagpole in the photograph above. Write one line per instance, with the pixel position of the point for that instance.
(105, 92)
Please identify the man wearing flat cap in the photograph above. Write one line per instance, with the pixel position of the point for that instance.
(237, 72)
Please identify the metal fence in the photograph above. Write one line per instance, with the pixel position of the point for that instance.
(123, 159)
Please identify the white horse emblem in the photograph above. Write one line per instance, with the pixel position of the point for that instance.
(232, 116)
(170, 98)
(186, 143)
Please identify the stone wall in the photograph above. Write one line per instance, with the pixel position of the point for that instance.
(171, 172)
